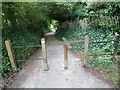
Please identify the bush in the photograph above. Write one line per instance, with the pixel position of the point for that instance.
(105, 63)
(21, 38)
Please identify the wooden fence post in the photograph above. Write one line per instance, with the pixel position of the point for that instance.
(86, 44)
(10, 53)
(44, 55)
(65, 57)
(67, 44)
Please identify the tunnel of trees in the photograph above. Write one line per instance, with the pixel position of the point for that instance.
(25, 23)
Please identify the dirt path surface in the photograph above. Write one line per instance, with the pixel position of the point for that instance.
(33, 76)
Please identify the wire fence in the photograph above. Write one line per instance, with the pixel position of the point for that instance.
(26, 46)
(89, 42)
(101, 41)
(102, 54)
(11, 55)
(74, 42)
(30, 59)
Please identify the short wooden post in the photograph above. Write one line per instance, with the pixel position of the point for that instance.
(67, 44)
(65, 57)
(86, 44)
(44, 55)
(10, 53)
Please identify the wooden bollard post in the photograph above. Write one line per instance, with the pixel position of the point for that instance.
(65, 57)
(10, 53)
(86, 44)
(44, 55)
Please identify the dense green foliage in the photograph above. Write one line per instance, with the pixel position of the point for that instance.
(77, 33)
(102, 26)
(106, 10)
(22, 38)
(105, 63)
(25, 24)
(23, 27)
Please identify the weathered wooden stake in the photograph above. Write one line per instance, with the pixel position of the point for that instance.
(44, 55)
(67, 44)
(10, 53)
(65, 57)
(86, 44)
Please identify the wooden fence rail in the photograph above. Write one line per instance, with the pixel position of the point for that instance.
(11, 54)
(44, 52)
(86, 48)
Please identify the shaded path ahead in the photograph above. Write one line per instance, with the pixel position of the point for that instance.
(33, 76)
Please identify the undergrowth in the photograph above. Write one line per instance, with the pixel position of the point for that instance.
(106, 64)
(19, 38)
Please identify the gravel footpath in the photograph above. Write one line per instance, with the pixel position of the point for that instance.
(33, 76)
